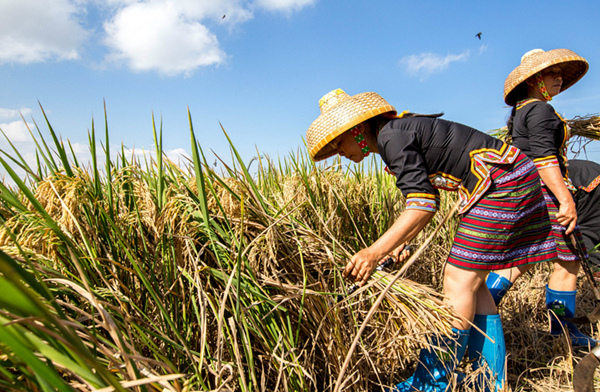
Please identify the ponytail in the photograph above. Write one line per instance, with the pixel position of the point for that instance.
(509, 125)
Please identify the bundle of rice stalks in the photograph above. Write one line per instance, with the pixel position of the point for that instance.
(586, 126)
(230, 280)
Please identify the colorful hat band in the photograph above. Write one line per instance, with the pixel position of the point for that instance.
(542, 86)
(358, 136)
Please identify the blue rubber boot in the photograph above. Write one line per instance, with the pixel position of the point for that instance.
(562, 304)
(435, 368)
(498, 286)
(491, 353)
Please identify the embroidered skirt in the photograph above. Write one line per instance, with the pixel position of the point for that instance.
(564, 247)
(509, 226)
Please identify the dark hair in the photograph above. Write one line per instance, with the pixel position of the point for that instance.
(519, 93)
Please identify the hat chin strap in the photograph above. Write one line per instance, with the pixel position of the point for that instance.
(360, 139)
(542, 86)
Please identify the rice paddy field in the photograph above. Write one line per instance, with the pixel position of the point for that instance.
(127, 274)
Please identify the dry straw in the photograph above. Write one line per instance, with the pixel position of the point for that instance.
(585, 126)
(232, 281)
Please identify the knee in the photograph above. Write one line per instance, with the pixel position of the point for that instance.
(567, 267)
(462, 283)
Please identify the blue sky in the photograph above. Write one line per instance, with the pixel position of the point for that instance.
(259, 67)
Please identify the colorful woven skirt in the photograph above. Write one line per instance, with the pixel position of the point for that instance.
(509, 226)
(565, 249)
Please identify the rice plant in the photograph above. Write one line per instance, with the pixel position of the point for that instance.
(139, 274)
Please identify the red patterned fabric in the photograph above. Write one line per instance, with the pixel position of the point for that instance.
(509, 226)
(564, 248)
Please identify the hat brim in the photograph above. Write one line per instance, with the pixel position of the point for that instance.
(345, 116)
(573, 66)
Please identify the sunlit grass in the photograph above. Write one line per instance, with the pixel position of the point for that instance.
(182, 278)
(143, 275)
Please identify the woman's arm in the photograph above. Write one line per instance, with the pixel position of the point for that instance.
(567, 212)
(406, 227)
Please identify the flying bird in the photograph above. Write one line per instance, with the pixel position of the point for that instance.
(224, 18)
(478, 35)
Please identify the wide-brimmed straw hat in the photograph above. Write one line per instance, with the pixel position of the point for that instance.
(573, 68)
(339, 113)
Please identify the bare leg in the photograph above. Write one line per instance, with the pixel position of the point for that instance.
(564, 277)
(464, 289)
(485, 302)
(461, 287)
(513, 273)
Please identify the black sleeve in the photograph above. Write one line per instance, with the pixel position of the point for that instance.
(543, 124)
(404, 157)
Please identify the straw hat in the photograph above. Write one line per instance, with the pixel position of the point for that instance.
(573, 68)
(339, 113)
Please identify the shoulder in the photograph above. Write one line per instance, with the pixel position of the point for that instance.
(402, 127)
(543, 108)
(408, 122)
(539, 111)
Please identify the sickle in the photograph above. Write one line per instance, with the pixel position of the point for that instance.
(583, 376)
(389, 261)
(595, 315)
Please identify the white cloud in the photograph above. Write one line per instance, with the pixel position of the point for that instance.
(16, 131)
(284, 5)
(39, 30)
(175, 154)
(80, 148)
(425, 64)
(178, 155)
(157, 36)
(168, 36)
(10, 113)
(173, 37)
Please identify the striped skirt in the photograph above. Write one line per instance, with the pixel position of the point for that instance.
(509, 226)
(564, 248)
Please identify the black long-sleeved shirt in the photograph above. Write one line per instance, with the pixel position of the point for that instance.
(542, 135)
(427, 154)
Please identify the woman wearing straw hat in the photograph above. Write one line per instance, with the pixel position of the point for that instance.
(504, 219)
(542, 134)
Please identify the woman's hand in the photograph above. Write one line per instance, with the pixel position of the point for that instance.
(567, 215)
(401, 253)
(567, 212)
(406, 227)
(361, 266)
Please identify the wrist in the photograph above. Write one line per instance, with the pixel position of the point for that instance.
(375, 253)
(566, 200)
